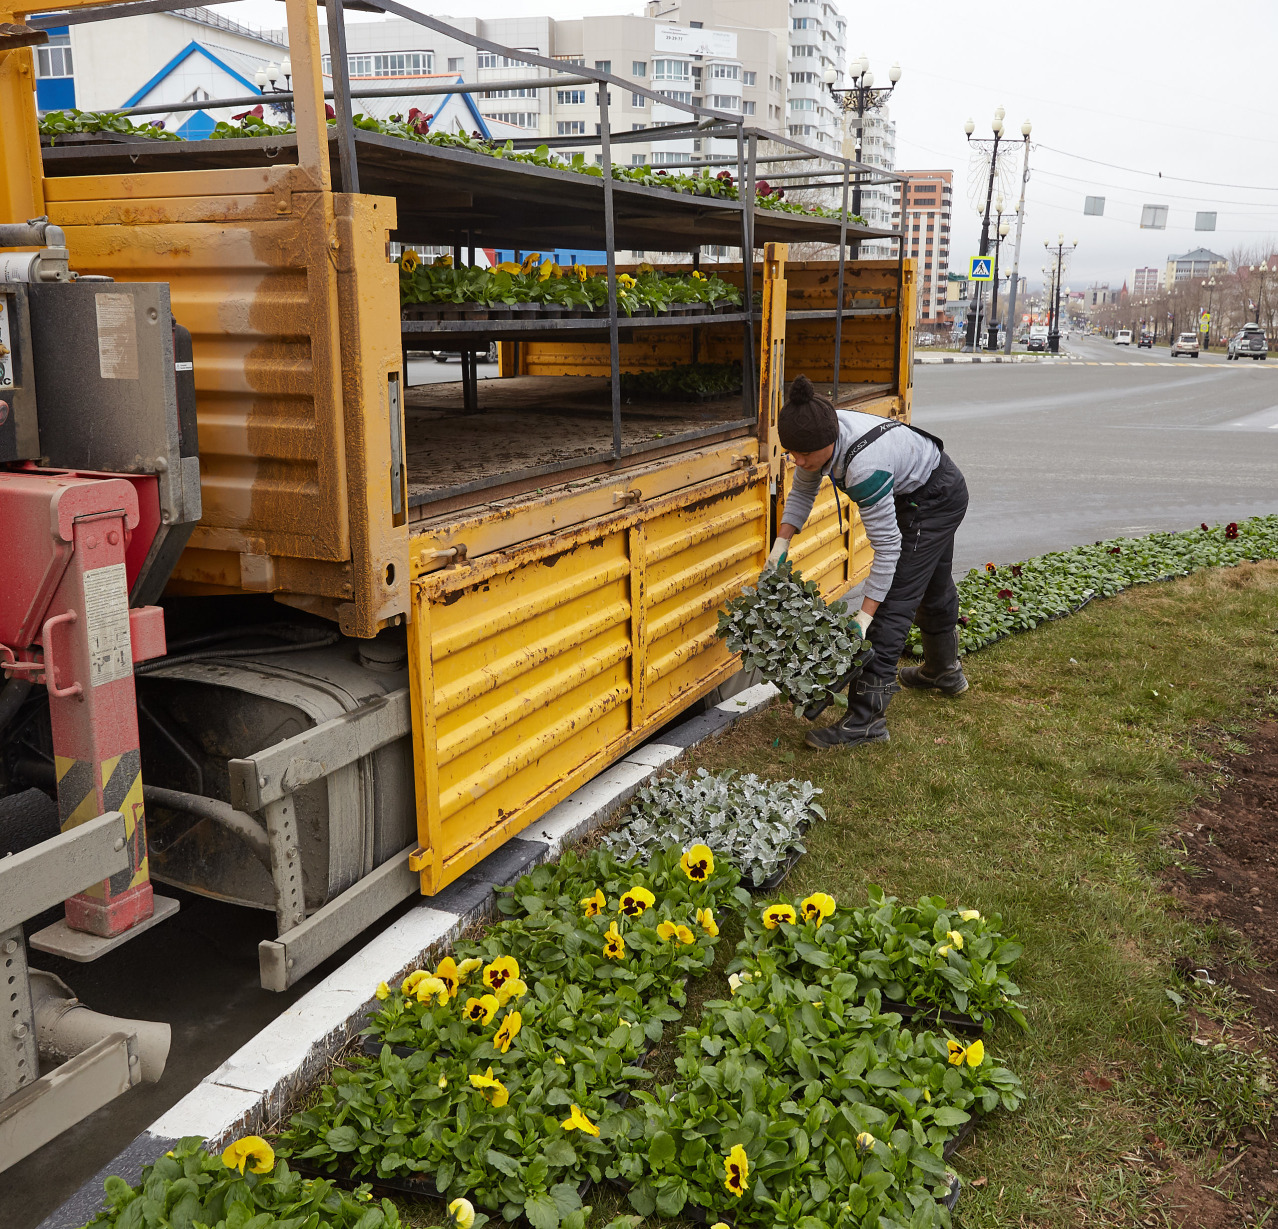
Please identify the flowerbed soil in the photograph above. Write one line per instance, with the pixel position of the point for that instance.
(1226, 874)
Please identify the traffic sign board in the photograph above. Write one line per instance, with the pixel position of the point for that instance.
(981, 269)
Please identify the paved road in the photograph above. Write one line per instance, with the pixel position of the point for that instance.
(1055, 454)
(1111, 440)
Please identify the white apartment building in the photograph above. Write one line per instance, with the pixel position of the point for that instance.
(763, 59)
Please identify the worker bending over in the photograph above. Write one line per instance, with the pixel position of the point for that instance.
(912, 498)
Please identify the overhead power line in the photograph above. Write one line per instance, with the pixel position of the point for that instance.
(1206, 183)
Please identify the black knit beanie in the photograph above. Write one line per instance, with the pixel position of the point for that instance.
(807, 422)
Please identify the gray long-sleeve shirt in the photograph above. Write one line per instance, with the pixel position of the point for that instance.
(897, 463)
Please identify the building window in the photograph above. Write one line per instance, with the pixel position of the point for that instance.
(747, 108)
(456, 64)
(570, 96)
(803, 23)
(677, 95)
(724, 102)
(638, 100)
(488, 59)
(671, 70)
(803, 50)
(521, 119)
(665, 156)
(803, 104)
(389, 64)
(638, 127)
(638, 159)
(749, 78)
(638, 68)
(571, 128)
(597, 93)
(726, 72)
(520, 93)
(603, 66)
(54, 58)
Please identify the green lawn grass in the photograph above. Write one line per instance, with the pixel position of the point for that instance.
(1044, 795)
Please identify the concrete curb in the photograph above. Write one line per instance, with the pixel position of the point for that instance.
(252, 1088)
(930, 359)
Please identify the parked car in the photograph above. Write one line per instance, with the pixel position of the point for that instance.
(1037, 337)
(1186, 343)
(1123, 337)
(1248, 342)
(1146, 341)
(485, 356)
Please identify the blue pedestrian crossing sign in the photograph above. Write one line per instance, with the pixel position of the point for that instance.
(981, 269)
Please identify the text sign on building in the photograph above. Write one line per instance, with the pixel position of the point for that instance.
(720, 43)
(981, 269)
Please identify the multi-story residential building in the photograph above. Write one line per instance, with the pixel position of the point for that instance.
(1147, 281)
(763, 59)
(925, 205)
(1199, 263)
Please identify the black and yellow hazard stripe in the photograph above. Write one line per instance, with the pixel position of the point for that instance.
(122, 791)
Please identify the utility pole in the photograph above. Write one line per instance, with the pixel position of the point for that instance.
(1016, 252)
(1054, 333)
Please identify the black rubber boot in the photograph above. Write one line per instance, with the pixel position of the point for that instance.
(941, 670)
(864, 723)
(864, 656)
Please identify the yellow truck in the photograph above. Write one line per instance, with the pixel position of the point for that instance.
(410, 620)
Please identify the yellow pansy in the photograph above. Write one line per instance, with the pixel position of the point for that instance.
(461, 1214)
(467, 967)
(927, 1096)
(582, 272)
(865, 1141)
(774, 915)
(705, 919)
(481, 1010)
(382, 993)
(446, 261)
(409, 260)
(625, 279)
(577, 1121)
(449, 974)
(443, 1081)
(635, 901)
(720, 1225)
(493, 1091)
(614, 944)
(596, 904)
(430, 987)
(559, 1060)
(736, 1171)
(411, 981)
(668, 930)
(645, 267)
(509, 1030)
(944, 952)
(252, 1148)
(956, 940)
(698, 275)
(547, 268)
(500, 971)
(509, 266)
(698, 863)
(515, 988)
(970, 915)
(817, 907)
(530, 262)
(973, 1055)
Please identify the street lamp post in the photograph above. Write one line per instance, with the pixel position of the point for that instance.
(858, 98)
(270, 77)
(1054, 331)
(1002, 229)
(1263, 270)
(1016, 251)
(1210, 284)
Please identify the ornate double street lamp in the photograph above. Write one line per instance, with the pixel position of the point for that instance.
(1001, 231)
(988, 148)
(1054, 331)
(856, 99)
(268, 81)
(1264, 270)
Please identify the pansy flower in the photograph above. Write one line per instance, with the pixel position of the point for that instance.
(577, 1121)
(698, 863)
(252, 1151)
(774, 915)
(817, 907)
(705, 919)
(736, 1171)
(493, 1091)
(500, 971)
(635, 901)
(614, 944)
(509, 1030)
(481, 1010)
(594, 905)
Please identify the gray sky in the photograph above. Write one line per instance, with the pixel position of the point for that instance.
(1181, 88)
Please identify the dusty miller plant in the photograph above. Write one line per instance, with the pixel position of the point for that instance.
(783, 628)
(754, 823)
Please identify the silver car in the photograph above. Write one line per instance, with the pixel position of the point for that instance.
(1185, 343)
(1248, 342)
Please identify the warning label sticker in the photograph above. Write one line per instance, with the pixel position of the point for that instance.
(117, 337)
(106, 608)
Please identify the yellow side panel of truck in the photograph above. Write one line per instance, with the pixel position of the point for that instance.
(534, 668)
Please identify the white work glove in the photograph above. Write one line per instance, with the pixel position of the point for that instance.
(780, 548)
(861, 621)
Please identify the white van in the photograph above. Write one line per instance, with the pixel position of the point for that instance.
(1123, 337)
(1038, 337)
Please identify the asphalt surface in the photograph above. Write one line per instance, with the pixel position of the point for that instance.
(1056, 453)
(1070, 450)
